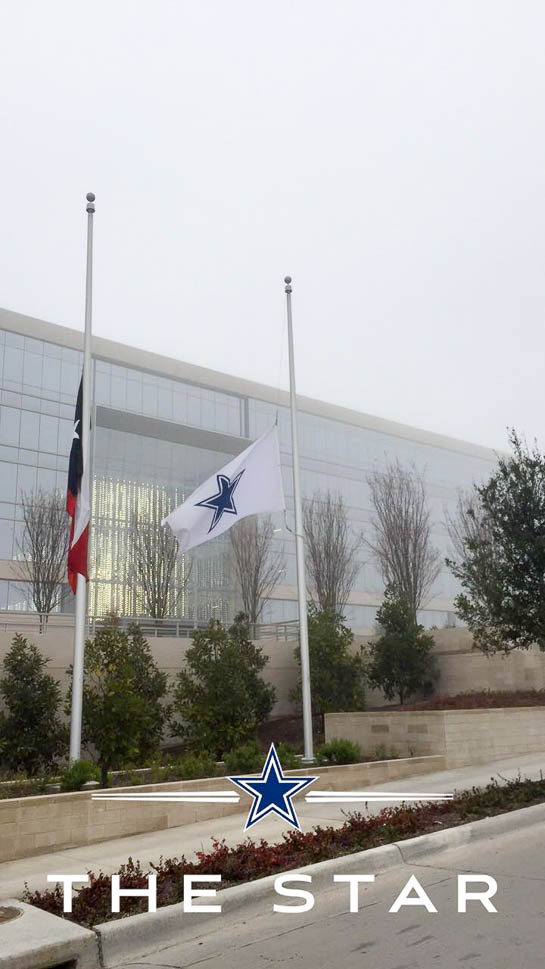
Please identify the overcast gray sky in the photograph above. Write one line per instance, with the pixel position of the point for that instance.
(389, 155)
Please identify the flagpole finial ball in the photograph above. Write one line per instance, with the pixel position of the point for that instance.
(287, 279)
(90, 196)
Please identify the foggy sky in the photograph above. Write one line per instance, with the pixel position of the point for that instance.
(389, 155)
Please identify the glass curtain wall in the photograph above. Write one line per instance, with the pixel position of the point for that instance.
(38, 387)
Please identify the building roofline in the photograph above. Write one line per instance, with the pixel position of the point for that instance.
(123, 354)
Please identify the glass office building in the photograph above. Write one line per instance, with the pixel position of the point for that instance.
(160, 428)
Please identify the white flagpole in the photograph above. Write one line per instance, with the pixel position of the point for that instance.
(81, 588)
(299, 546)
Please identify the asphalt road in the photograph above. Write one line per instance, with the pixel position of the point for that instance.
(330, 936)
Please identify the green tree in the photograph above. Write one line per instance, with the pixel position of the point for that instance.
(123, 714)
(220, 698)
(401, 662)
(337, 676)
(501, 563)
(31, 734)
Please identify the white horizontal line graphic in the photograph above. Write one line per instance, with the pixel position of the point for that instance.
(332, 797)
(195, 797)
(231, 797)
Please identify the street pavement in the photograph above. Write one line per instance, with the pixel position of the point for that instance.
(330, 936)
(107, 856)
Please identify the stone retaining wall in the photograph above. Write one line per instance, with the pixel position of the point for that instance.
(461, 667)
(463, 737)
(32, 825)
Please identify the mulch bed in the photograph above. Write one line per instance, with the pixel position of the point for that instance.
(289, 730)
(478, 700)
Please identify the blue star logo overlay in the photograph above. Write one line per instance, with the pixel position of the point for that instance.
(272, 792)
(222, 503)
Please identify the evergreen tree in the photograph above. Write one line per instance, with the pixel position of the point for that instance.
(123, 716)
(31, 734)
(401, 662)
(220, 698)
(501, 561)
(337, 676)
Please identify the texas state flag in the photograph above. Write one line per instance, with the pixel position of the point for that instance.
(77, 502)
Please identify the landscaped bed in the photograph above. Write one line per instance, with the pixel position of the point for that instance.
(251, 860)
(474, 700)
(246, 758)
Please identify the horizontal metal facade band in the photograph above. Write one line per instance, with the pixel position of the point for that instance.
(117, 420)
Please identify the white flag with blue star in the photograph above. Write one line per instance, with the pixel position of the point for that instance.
(251, 483)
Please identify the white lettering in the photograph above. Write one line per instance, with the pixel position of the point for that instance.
(150, 893)
(67, 882)
(354, 881)
(483, 897)
(190, 893)
(280, 889)
(421, 898)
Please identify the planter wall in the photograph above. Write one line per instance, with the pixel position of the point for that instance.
(463, 737)
(32, 825)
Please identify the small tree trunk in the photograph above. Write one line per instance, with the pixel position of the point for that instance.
(104, 775)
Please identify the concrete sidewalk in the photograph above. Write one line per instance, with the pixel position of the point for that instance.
(107, 856)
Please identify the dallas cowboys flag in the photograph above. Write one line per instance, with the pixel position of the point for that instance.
(249, 484)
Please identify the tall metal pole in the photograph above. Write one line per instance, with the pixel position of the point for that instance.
(81, 588)
(299, 546)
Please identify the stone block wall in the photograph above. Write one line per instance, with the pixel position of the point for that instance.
(463, 737)
(35, 825)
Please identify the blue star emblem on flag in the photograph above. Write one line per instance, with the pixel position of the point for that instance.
(222, 503)
(272, 791)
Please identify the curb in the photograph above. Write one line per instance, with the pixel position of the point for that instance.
(140, 935)
(35, 939)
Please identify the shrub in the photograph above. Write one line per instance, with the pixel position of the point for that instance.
(196, 765)
(31, 734)
(123, 716)
(219, 697)
(159, 774)
(287, 756)
(244, 759)
(337, 677)
(401, 662)
(77, 774)
(249, 758)
(339, 751)
(382, 752)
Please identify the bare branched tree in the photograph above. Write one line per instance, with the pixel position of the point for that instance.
(402, 545)
(43, 547)
(467, 525)
(258, 565)
(161, 576)
(330, 550)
